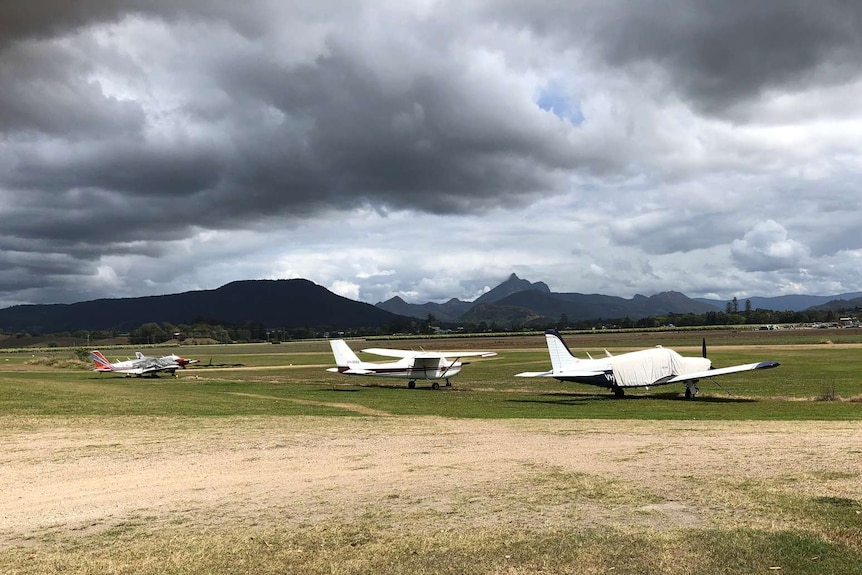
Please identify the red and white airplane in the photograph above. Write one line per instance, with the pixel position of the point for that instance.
(411, 365)
(645, 368)
(141, 365)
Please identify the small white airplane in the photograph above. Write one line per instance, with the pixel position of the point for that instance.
(141, 365)
(411, 365)
(644, 368)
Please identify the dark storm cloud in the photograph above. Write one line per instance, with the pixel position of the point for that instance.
(97, 162)
(41, 19)
(340, 139)
(45, 91)
(716, 54)
(22, 19)
(130, 126)
(431, 144)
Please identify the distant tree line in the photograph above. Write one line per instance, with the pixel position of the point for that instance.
(203, 329)
(731, 316)
(249, 332)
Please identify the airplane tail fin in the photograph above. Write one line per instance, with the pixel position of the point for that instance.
(344, 356)
(561, 356)
(100, 362)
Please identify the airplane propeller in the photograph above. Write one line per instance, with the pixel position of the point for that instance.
(703, 348)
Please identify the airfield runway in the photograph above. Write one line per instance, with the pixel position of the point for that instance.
(79, 477)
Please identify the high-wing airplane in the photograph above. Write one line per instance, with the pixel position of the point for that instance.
(141, 365)
(411, 365)
(644, 368)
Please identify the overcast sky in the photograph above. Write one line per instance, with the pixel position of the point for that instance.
(428, 149)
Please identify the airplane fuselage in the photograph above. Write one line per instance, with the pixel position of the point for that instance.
(635, 369)
(404, 369)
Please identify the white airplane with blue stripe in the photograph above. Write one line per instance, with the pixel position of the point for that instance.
(645, 368)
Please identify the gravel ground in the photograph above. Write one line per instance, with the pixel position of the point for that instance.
(75, 477)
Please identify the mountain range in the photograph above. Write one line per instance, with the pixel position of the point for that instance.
(299, 303)
(272, 303)
(517, 301)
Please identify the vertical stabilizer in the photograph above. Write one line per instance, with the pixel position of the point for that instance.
(561, 357)
(100, 362)
(344, 356)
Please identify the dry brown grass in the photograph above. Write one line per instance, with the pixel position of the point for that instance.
(341, 495)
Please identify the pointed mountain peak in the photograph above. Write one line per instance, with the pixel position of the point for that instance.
(512, 285)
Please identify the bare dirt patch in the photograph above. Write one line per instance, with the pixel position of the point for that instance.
(67, 477)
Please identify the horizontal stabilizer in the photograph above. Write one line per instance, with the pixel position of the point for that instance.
(351, 371)
(535, 374)
(358, 371)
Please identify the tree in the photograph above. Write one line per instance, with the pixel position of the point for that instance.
(148, 333)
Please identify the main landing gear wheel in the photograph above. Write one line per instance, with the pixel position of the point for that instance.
(435, 385)
(411, 384)
(448, 383)
(691, 390)
(619, 392)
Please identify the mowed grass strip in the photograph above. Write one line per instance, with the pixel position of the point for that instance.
(814, 382)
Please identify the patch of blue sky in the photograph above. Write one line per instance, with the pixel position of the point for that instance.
(552, 98)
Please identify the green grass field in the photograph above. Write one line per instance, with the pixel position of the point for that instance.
(778, 527)
(814, 382)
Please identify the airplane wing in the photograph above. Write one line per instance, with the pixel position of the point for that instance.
(152, 365)
(403, 353)
(453, 354)
(722, 371)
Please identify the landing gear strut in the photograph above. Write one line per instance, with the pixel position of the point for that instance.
(691, 389)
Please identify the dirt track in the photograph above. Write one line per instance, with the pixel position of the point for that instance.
(76, 477)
